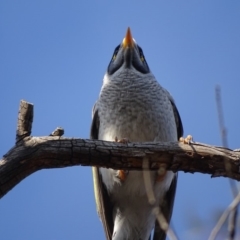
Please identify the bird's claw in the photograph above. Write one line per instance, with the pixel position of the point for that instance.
(187, 140)
(122, 140)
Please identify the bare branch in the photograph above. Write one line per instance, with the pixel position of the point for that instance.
(35, 153)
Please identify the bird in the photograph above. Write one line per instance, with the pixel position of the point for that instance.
(133, 106)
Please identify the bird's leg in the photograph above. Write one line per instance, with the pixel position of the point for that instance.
(187, 140)
(122, 174)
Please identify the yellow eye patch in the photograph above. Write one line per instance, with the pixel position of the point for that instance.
(142, 58)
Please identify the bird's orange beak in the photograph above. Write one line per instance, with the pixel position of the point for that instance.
(128, 40)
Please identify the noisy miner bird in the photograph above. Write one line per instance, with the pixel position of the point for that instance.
(133, 105)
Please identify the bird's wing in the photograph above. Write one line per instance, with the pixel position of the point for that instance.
(104, 206)
(166, 209)
(177, 117)
(166, 206)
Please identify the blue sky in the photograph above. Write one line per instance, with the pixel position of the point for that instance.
(54, 54)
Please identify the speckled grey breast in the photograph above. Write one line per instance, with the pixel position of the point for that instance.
(135, 107)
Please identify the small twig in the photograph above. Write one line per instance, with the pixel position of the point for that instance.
(223, 132)
(232, 223)
(152, 200)
(232, 217)
(147, 182)
(224, 216)
(223, 129)
(58, 132)
(164, 225)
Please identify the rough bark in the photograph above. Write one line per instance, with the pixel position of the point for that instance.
(31, 154)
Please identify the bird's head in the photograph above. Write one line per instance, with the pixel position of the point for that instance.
(128, 55)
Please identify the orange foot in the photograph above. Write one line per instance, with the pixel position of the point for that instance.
(187, 140)
(122, 174)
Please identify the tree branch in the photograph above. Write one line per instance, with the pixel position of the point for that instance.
(31, 154)
(25, 119)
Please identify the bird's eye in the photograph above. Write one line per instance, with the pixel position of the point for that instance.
(115, 53)
(141, 54)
